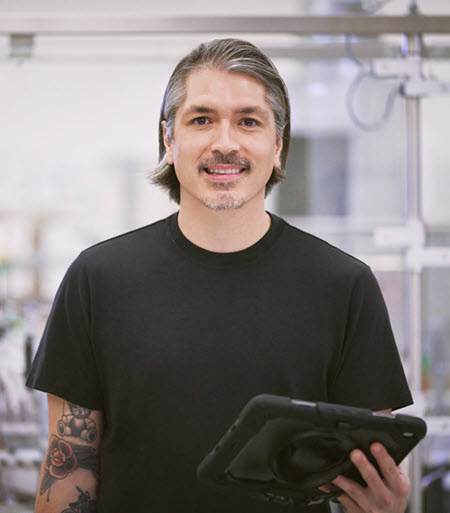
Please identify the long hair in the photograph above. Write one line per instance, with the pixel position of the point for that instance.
(233, 56)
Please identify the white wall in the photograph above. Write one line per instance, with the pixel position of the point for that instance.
(179, 7)
(78, 128)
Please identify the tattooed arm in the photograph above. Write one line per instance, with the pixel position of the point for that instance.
(70, 473)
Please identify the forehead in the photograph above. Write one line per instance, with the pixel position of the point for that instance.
(224, 89)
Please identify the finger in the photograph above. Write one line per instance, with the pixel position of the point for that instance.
(325, 488)
(348, 504)
(354, 491)
(329, 487)
(368, 472)
(397, 481)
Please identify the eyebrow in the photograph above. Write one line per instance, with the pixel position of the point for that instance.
(202, 109)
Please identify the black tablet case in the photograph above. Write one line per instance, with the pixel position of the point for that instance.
(281, 449)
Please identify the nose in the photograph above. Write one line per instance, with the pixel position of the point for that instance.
(225, 139)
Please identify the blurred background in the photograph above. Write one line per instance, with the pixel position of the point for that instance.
(78, 133)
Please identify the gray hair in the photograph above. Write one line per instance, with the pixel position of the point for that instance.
(233, 56)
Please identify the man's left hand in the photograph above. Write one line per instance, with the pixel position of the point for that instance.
(387, 494)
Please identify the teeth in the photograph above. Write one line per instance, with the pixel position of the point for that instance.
(224, 171)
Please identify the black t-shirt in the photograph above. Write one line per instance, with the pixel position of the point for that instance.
(170, 341)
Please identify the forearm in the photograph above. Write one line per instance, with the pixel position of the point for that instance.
(69, 478)
(68, 494)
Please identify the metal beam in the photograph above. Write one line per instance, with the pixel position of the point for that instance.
(68, 49)
(123, 24)
(338, 50)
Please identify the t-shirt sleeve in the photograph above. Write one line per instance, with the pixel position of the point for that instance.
(369, 373)
(65, 364)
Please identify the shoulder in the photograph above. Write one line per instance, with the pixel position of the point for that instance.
(123, 256)
(127, 247)
(130, 240)
(311, 252)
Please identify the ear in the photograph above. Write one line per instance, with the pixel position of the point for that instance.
(167, 143)
(277, 157)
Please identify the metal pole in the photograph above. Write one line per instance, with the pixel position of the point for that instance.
(414, 217)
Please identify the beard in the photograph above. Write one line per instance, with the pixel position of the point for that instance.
(224, 202)
(224, 198)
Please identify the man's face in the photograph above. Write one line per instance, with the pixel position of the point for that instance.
(224, 143)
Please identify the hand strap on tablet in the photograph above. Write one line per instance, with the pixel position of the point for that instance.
(312, 458)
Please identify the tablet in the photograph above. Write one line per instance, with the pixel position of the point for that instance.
(281, 449)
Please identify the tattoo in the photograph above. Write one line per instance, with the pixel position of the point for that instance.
(75, 421)
(63, 458)
(84, 504)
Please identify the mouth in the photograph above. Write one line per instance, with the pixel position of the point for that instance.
(224, 173)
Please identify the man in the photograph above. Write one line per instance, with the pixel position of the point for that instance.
(158, 338)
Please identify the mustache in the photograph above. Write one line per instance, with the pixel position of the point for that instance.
(230, 160)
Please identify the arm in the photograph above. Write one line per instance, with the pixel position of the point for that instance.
(70, 471)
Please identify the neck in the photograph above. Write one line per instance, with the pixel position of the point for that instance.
(223, 231)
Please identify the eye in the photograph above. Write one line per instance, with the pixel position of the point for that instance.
(250, 122)
(201, 121)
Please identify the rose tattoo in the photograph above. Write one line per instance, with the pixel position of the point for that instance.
(60, 459)
(64, 458)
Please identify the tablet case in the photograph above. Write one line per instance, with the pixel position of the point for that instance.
(281, 449)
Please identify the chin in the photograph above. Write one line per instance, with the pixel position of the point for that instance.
(224, 202)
